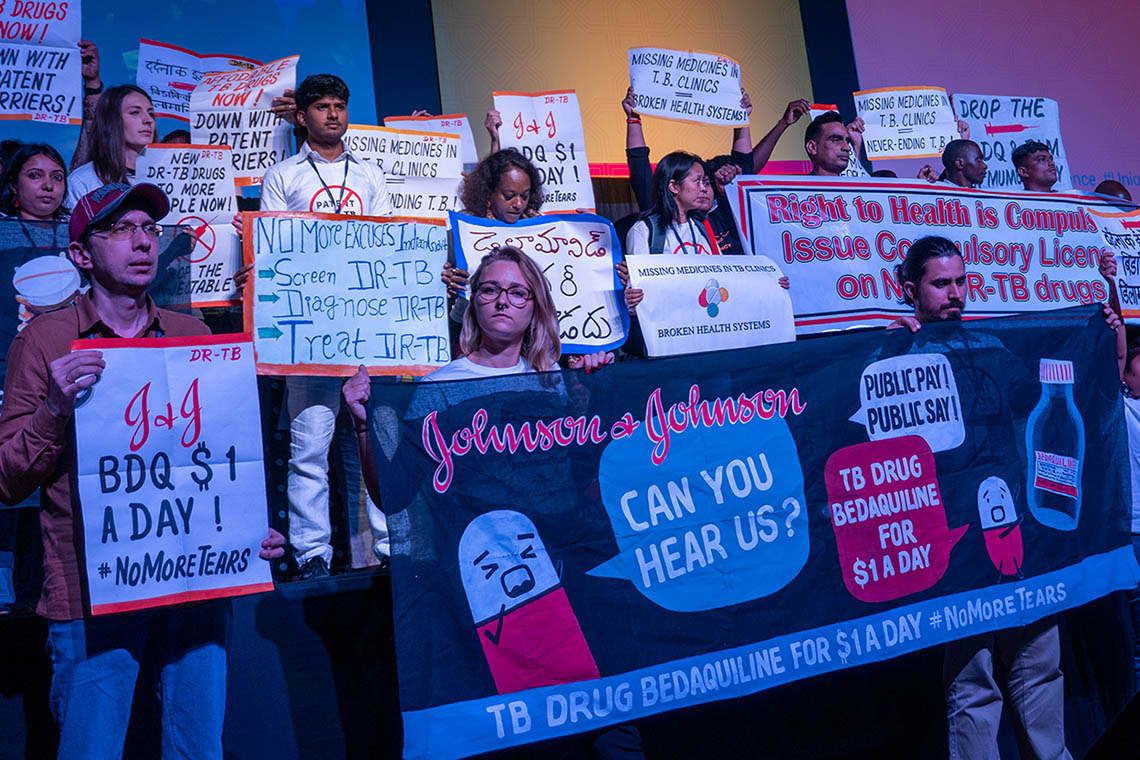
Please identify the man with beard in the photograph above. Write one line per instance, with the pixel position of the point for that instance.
(933, 281)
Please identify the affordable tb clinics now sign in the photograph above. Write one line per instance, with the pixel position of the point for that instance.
(840, 240)
(572, 551)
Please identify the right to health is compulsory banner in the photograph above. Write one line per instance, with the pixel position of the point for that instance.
(839, 240)
(571, 551)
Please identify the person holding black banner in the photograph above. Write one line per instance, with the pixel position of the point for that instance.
(121, 129)
(510, 329)
(325, 177)
(1035, 167)
(933, 280)
(95, 661)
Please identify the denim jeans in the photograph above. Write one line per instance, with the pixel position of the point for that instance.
(1032, 658)
(313, 404)
(95, 663)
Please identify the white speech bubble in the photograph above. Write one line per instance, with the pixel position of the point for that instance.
(913, 394)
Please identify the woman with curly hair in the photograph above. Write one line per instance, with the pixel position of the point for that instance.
(504, 186)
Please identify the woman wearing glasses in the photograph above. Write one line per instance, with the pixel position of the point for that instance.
(511, 329)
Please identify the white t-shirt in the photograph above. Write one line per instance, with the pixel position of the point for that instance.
(83, 180)
(1132, 422)
(309, 182)
(464, 369)
(686, 237)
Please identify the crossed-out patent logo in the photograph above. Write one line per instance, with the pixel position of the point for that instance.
(712, 296)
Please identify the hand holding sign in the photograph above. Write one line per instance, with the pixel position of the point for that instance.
(70, 375)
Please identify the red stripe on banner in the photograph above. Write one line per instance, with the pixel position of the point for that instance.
(181, 598)
(857, 317)
(1049, 485)
(1130, 225)
(193, 340)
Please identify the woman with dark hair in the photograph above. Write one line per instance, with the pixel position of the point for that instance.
(34, 184)
(504, 186)
(122, 128)
(681, 197)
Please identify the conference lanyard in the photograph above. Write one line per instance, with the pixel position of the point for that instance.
(692, 234)
(337, 204)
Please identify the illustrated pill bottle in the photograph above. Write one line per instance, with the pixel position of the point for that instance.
(1055, 449)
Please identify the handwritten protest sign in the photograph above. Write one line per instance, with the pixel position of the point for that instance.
(40, 83)
(546, 127)
(685, 84)
(197, 179)
(905, 122)
(39, 62)
(693, 305)
(232, 108)
(329, 293)
(171, 478)
(854, 167)
(999, 123)
(169, 74)
(1121, 234)
(41, 23)
(423, 169)
(577, 253)
(840, 240)
(795, 539)
(452, 124)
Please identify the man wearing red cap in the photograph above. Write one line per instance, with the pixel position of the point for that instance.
(95, 661)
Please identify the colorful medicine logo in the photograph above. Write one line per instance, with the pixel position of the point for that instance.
(712, 296)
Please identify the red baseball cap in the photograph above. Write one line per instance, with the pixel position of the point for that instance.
(102, 202)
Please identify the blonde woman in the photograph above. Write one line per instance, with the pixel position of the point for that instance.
(511, 329)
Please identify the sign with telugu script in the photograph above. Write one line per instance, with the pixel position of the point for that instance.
(171, 477)
(577, 253)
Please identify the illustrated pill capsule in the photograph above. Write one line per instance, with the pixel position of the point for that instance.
(528, 631)
(1001, 526)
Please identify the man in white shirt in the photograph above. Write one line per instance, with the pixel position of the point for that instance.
(326, 178)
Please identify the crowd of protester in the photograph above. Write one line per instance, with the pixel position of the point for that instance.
(503, 322)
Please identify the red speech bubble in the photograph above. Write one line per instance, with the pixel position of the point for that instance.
(888, 517)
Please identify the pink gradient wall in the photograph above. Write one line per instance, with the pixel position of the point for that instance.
(1076, 53)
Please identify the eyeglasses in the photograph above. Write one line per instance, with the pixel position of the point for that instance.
(516, 296)
(126, 230)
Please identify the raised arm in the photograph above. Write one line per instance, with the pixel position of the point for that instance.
(762, 152)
